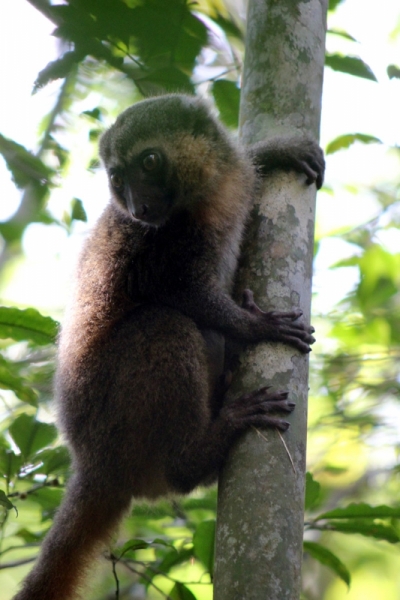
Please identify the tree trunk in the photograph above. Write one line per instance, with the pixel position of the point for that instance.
(261, 489)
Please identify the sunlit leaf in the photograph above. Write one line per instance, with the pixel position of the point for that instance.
(203, 543)
(30, 537)
(379, 273)
(94, 134)
(10, 463)
(9, 381)
(95, 113)
(49, 499)
(229, 26)
(31, 435)
(367, 528)
(28, 325)
(24, 166)
(161, 542)
(55, 461)
(334, 3)
(393, 71)
(58, 69)
(362, 510)
(345, 141)
(78, 213)
(5, 502)
(327, 558)
(174, 558)
(352, 65)
(133, 545)
(227, 98)
(312, 491)
(181, 592)
(208, 502)
(342, 34)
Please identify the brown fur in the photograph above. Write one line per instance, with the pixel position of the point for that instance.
(139, 380)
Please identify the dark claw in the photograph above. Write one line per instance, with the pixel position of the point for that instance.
(265, 389)
(279, 424)
(311, 175)
(280, 326)
(249, 304)
(253, 409)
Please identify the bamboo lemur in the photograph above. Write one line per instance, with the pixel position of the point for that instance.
(141, 351)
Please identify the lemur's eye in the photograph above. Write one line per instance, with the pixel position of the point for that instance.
(116, 181)
(151, 162)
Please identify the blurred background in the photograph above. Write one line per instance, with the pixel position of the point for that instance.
(67, 71)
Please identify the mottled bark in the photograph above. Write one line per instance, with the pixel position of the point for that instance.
(261, 490)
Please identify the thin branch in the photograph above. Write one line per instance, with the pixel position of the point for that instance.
(18, 547)
(146, 578)
(114, 561)
(156, 571)
(39, 486)
(128, 54)
(17, 563)
(216, 77)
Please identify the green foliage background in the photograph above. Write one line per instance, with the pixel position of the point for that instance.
(116, 52)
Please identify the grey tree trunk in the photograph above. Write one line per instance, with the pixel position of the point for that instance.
(261, 489)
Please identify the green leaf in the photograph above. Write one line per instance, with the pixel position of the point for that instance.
(393, 72)
(4, 501)
(229, 26)
(203, 543)
(333, 4)
(78, 213)
(28, 325)
(227, 97)
(327, 558)
(342, 34)
(94, 134)
(312, 491)
(207, 502)
(24, 166)
(9, 381)
(352, 65)
(55, 461)
(365, 527)
(345, 141)
(31, 435)
(173, 558)
(333, 469)
(95, 113)
(58, 69)
(362, 510)
(167, 79)
(379, 277)
(49, 499)
(132, 545)
(30, 537)
(161, 542)
(181, 592)
(167, 33)
(10, 463)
